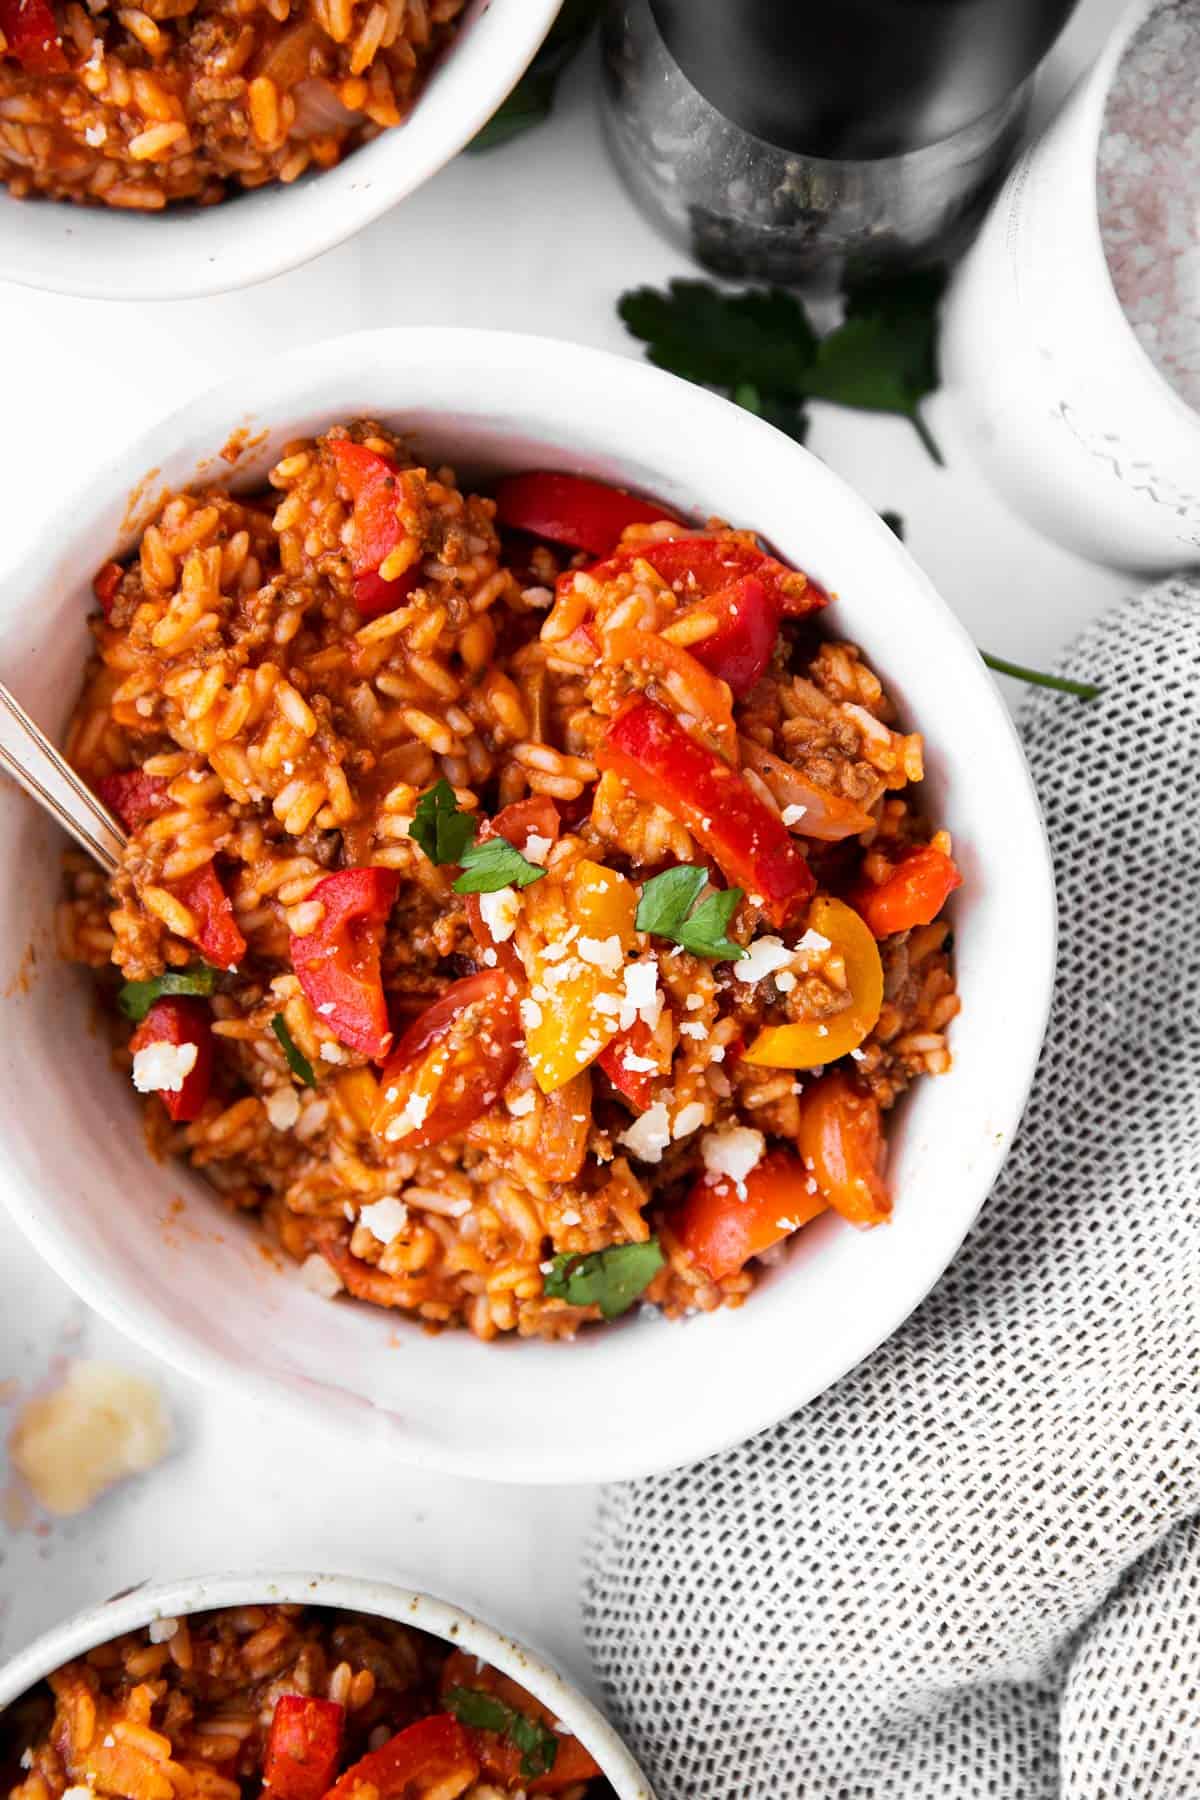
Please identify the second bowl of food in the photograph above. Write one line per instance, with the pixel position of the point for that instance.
(177, 149)
(550, 794)
(302, 1687)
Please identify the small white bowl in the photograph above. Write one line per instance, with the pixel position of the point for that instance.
(171, 1600)
(106, 254)
(151, 1247)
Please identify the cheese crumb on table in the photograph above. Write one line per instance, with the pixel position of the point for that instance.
(103, 1424)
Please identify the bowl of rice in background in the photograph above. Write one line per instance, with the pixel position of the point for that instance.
(221, 1652)
(246, 171)
(151, 1247)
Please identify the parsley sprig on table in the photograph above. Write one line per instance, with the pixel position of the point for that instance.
(760, 349)
(446, 834)
(668, 909)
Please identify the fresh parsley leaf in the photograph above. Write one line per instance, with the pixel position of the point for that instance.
(484, 1712)
(495, 864)
(297, 1062)
(787, 416)
(755, 344)
(894, 522)
(668, 909)
(137, 997)
(883, 356)
(532, 100)
(611, 1279)
(1084, 690)
(439, 826)
(703, 931)
(667, 899)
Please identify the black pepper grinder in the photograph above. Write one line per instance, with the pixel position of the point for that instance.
(792, 142)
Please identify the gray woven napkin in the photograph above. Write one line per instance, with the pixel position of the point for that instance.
(973, 1567)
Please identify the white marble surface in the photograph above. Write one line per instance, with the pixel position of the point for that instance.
(536, 237)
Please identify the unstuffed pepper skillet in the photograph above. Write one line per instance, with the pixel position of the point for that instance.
(525, 911)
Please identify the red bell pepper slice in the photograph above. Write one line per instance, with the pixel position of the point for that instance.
(841, 1140)
(637, 1085)
(133, 796)
(452, 1062)
(304, 1745)
(698, 567)
(913, 894)
(338, 964)
(747, 614)
(499, 1757)
(535, 817)
(371, 482)
(33, 36)
(178, 1019)
(720, 1229)
(216, 936)
(571, 509)
(436, 1751)
(647, 747)
(105, 582)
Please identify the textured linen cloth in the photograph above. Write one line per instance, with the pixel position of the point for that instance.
(972, 1568)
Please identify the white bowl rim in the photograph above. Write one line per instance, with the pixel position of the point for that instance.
(676, 1443)
(139, 1606)
(171, 271)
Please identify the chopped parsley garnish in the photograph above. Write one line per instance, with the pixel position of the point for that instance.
(668, 909)
(611, 1279)
(137, 997)
(297, 1062)
(440, 827)
(759, 347)
(495, 864)
(484, 1712)
(447, 835)
(1085, 690)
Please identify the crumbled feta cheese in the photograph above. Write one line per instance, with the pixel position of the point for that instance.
(571, 1217)
(163, 1068)
(79, 1793)
(606, 1004)
(792, 815)
(731, 1152)
(283, 1107)
(384, 1218)
(642, 998)
(333, 1053)
(26, 1758)
(605, 954)
(325, 1008)
(319, 1278)
(717, 1053)
(694, 1002)
(649, 1135)
(489, 958)
(537, 848)
(785, 981)
(638, 1065)
(693, 1028)
(858, 1055)
(813, 941)
(522, 1104)
(765, 955)
(408, 1119)
(531, 1014)
(163, 1630)
(95, 135)
(500, 912)
(689, 1118)
(537, 596)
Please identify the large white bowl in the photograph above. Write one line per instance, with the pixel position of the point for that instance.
(137, 1608)
(185, 251)
(151, 1248)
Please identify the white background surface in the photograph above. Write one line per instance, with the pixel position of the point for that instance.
(536, 237)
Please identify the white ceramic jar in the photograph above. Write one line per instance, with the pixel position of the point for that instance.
(1059, 402)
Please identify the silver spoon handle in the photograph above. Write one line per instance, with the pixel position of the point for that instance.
(31, 759)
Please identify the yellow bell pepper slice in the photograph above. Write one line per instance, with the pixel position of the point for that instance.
(810, 1042)
(577, 991)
